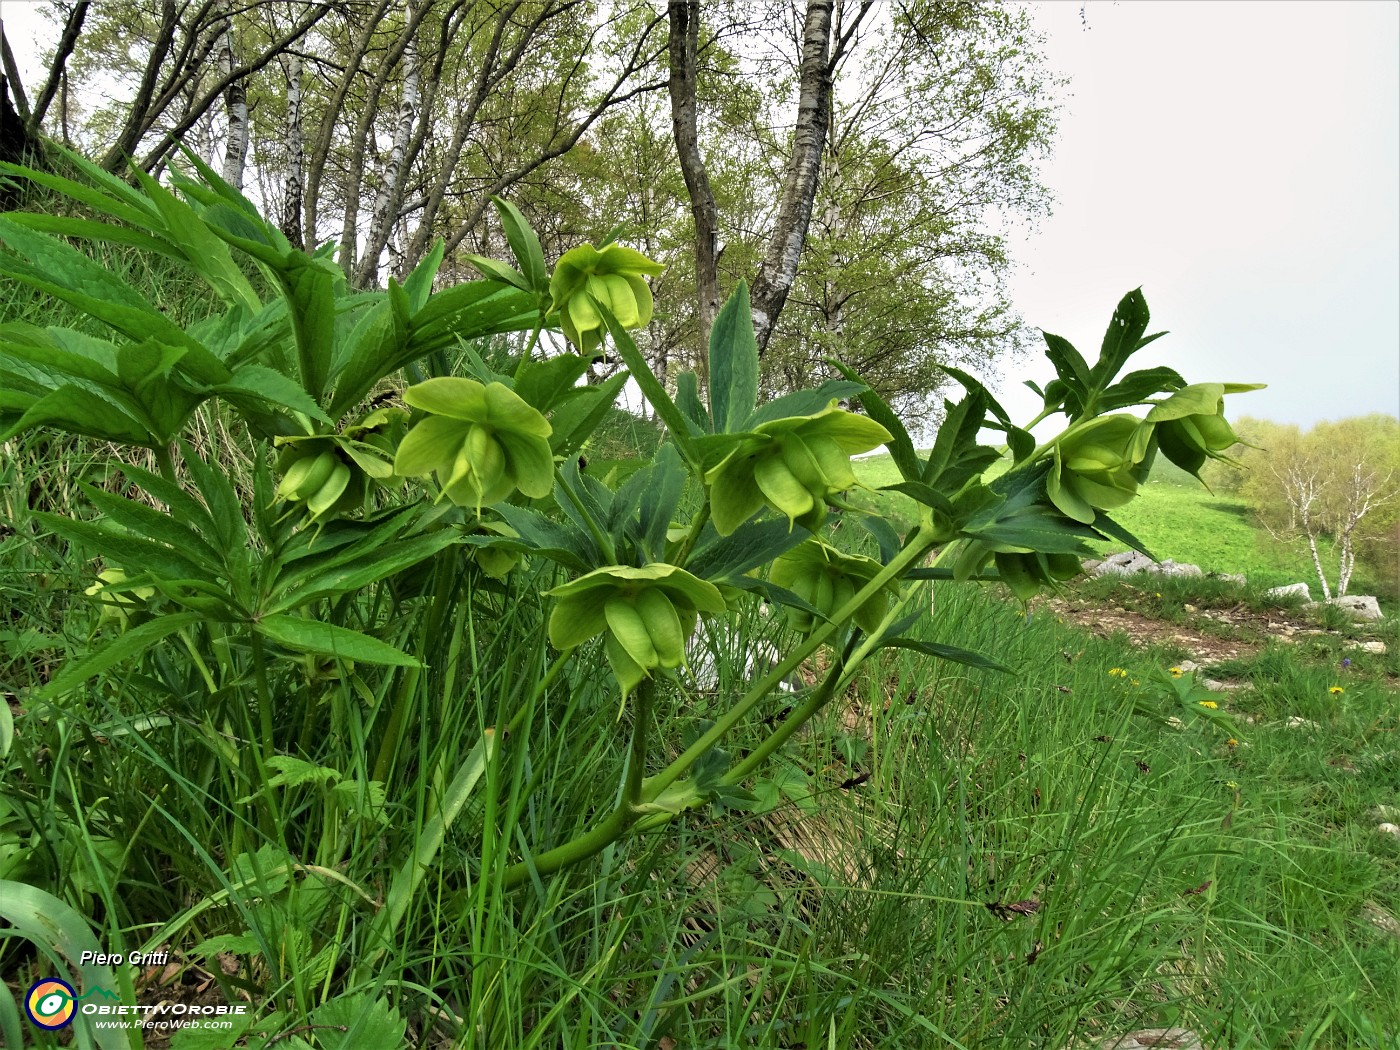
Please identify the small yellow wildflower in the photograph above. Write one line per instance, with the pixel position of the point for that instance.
(1232, 785)
(1208, 703)
(1175, 671)
(1158, 594)
(1136, 682)
(1232, 742)
(1118, 672)
(1336, 690)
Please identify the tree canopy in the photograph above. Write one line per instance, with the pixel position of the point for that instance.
(858, 164)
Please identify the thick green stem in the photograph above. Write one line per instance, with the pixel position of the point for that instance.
(165, 464)
(628, 810)
(919, 543)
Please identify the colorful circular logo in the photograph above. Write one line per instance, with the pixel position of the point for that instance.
(49, 1003)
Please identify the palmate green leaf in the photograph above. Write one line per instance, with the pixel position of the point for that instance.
(119, 200)
(360, 1020)
(129, 644)
(310, 286)
(1136, 387)
(197, 245)
(569, 547)
(804, 402)
(546, 383)
(956, 456)
(161, 527)
(524, 245)
(1072, 370)
(131, 552)
(272, 388)
(324, 639)
(726, 559)
(577, 418)
(688, 401)
(418, 285)
(80, 411)
(348, 575)
(1123, 338)
(733, 363)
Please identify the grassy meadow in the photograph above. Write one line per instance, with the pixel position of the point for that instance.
(1176, 517)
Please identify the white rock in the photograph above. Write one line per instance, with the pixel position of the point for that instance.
(1377, 647)
(1291, 589)
(1187, 666)
(1229, 577)
(1389, 829)
(1361, 606)
(1124, 563)
(1297, 722)
(1172, 568)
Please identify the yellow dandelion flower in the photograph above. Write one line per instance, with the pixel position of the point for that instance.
(1208, 703)
(1175, 671)
(1336, 690)
(1232, 742)
(1118, 672)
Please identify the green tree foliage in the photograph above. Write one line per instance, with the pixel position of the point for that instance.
(1338, 480)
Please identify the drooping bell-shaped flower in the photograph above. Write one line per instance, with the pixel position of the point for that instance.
(119, 602)
(613, 277)
(648, 613)
(483, 442)
(1191, 424)
(331, 473)
(1099, 464)
(793, 465)
(827, 579)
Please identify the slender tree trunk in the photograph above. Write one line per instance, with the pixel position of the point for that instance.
(296, 154)
(683, 44)
(779, 269)
(390, 193)
(58, 68)
(236, 109)
(320, 149)
(360, 142)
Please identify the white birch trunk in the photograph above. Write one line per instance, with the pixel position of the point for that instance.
(387, 201)
(236, 107)
(293, 186)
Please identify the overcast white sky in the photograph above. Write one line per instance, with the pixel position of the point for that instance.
(1240, 162)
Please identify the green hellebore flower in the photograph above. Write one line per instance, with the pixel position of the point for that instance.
(615, 277)
(331, 473)
(793, 465)
(118, 603)
(1099, 465)
(648, 614)
(1191, 425)
(1027, 573)
(483, 442)
(827, 579)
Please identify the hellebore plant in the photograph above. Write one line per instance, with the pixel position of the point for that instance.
(1099, 464)
(736, 507)
(1191, 424)
(482, 441)
(611, 277)
(794, 466)
(648, 614)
